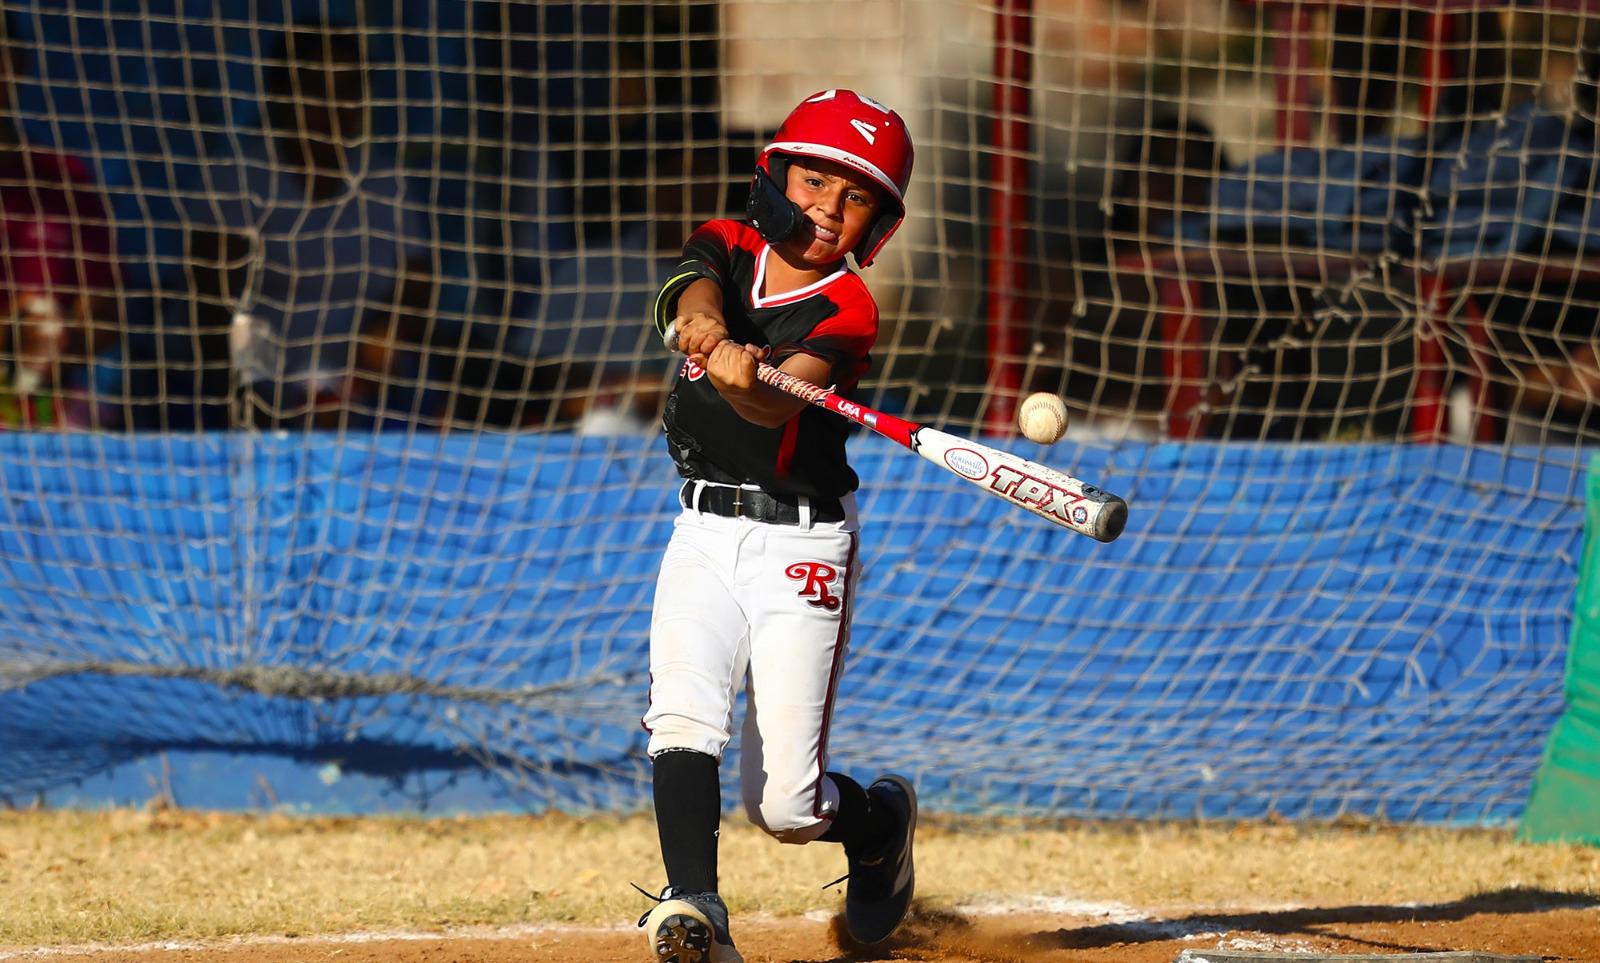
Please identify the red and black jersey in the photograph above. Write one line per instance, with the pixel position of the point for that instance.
(834, 319)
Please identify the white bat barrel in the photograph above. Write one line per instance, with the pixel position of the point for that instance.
(1048, 493)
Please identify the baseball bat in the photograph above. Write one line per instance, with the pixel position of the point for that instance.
(1050, 494)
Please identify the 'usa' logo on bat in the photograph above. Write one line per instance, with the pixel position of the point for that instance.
(1037, 493)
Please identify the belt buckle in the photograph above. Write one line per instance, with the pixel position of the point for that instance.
(738, 501)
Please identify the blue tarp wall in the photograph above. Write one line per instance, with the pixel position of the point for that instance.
(1304, 630)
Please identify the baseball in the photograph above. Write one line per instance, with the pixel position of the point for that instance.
(1043, 417)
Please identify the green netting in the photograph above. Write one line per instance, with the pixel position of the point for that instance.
(1565, 804)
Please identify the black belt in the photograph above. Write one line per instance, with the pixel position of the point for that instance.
(757, 505)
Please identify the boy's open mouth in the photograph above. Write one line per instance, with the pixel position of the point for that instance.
(823, 234)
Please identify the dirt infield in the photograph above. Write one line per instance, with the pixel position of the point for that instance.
(168, 886)
(1510, 923)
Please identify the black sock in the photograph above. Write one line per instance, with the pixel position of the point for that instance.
(688, 802)
(859, 825)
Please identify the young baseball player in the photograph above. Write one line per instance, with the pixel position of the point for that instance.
(756, 588)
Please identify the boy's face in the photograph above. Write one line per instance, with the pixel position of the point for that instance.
(837, 206)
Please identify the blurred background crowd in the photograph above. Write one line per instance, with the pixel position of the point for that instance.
(441, 216)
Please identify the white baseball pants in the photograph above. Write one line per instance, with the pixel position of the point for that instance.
(767, 607)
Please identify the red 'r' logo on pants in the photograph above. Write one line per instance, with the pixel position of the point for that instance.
(814, 578)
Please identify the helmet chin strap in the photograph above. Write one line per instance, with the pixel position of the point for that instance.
(770, 210)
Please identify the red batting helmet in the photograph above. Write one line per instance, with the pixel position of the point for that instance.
(841, 126)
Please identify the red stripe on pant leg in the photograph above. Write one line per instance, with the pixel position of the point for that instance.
(650, 703)
(846, 616)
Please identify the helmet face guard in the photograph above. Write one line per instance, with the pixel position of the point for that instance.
(769, 208)
(844, 127)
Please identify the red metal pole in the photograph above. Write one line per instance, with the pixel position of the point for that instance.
(1427, 421)
(1185, 360)
(1291, 55)
(1008, 209)
(1484, 419)
(1427, 408)
(1436, 67)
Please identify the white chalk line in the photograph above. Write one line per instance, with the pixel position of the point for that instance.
(528, 931)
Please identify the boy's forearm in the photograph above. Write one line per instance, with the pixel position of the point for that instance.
(733, 374)
(689, 293)
(761, 404)
(698, 320)
(704, 296)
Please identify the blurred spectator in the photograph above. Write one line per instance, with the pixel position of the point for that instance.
(505, 393)
(1126, 102)
(1365, 59)
(1586, 86)
(1546, 332)
(393, 382)
(324, 210)
(1482, 86)
(1165, 170)
(1547, 337)
(1517, 203)
(58, 290)
(597, 215)
(1159, 169)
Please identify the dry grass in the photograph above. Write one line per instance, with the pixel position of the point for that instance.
(133, 875)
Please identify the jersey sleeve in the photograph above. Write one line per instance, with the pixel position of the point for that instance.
(707, 254)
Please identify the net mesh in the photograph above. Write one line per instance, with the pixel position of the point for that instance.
(335, 400)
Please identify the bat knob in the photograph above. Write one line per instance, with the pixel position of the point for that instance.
(1113, 518)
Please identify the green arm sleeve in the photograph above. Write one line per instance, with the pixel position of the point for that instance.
(681, 277)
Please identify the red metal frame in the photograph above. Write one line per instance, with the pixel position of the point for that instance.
(1428, 408)
(1291, 55)
(1486, 426)
(1008, 210)
(1435, 64)
(1185, 361)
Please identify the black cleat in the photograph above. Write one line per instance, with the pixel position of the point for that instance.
(689, 928)
(881, 882)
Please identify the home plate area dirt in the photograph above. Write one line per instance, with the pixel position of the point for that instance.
(1554, 927)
